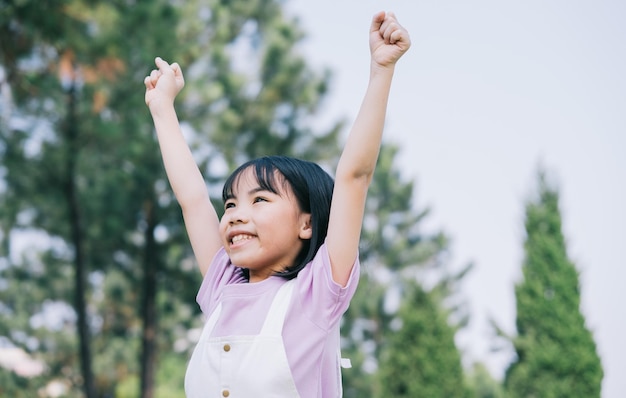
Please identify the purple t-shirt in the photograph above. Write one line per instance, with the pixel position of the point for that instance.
(309, 332)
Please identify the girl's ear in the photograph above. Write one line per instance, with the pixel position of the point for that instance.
(306, 230)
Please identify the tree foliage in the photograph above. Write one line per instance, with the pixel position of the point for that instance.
(420, 359)
(481, 383)
(405, 278)
(556, 353)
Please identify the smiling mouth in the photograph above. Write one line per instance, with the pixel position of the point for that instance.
(240, 238)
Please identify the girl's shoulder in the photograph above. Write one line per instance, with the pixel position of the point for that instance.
(319, 297)
(221, 273)
(319, 272)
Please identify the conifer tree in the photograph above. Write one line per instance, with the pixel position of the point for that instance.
(420, 358)
(555, 351)
(481, 384)
(398, 259)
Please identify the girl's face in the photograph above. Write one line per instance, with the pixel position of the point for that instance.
(261, 230)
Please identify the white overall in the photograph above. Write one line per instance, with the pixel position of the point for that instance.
(243, 366)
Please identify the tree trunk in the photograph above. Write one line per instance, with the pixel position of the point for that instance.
(71, 195)
(148, 355)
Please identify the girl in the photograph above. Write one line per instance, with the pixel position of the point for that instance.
(281, 265)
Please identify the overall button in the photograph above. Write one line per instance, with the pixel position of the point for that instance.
(225, 393)
(226, 348)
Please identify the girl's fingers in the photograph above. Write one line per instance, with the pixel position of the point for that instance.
(388, 32)
(391, 31)
(176, 68)
(159, 62)
(389, 19)
(148, 82)
(402, 37)
(154, 76)
(377, 21)
(163, 66)
(166, 71)
(397, 35)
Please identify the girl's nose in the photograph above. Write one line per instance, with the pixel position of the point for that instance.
(237, 215)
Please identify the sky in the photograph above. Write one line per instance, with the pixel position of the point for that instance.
(489, 93)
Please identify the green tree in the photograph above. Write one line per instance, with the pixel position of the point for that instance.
(556, 353)
(398, 261)
(30, 30)
(481, 383)
(82, 170)
(420, 359)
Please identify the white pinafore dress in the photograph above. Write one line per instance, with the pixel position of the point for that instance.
(243, 366)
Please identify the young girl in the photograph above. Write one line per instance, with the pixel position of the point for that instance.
(281, 265)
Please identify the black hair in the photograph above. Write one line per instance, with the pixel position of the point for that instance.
(312, 187)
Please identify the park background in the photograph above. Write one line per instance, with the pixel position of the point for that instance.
(489, 94)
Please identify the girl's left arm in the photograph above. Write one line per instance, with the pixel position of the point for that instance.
(388, 42)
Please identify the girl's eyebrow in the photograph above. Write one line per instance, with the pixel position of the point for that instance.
(257, 190)
(267, 190)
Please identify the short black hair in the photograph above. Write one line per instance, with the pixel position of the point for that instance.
(312, 187)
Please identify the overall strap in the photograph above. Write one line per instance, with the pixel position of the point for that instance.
(212, 321)
(275, 318)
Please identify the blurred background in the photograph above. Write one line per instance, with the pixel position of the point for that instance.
(491, 247)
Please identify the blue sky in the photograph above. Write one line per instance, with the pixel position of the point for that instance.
(489, 91)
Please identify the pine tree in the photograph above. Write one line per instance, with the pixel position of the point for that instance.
(420, 358)
(35, 31)
(556, 353)
(398, 261)
(481, 383)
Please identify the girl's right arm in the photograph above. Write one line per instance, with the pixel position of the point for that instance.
(201, 220)
(355, 171)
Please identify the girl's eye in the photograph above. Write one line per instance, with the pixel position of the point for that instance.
(229, 205)
(259, 199)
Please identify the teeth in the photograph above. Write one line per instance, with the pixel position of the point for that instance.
(239, 238)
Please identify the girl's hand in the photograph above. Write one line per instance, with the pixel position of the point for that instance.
(163, 84)
(388, 39)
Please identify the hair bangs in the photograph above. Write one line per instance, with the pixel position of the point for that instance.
(265, 173)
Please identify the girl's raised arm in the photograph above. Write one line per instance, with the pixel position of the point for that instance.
(201, 221)
(388, 42)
